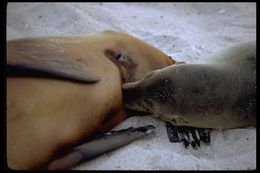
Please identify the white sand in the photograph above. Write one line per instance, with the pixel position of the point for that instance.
(185, 31)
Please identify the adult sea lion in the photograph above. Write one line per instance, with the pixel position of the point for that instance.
(219, 92)
(62, 89)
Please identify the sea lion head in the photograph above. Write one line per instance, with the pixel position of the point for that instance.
(153, 90)
(134, 57)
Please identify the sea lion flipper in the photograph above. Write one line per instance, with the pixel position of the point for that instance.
(188, 135)
(38, 63)
(107, 142)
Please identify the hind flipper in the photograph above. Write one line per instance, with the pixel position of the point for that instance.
(188, 135)
(39, 63)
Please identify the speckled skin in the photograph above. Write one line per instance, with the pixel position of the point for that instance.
(45, 115)
(219, 92)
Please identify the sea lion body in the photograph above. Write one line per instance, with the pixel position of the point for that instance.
(45, 115)
(218, 92)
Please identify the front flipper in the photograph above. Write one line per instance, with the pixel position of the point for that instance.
(38, 63)
(188, 135)
(103, 144)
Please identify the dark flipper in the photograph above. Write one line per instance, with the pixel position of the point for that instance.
(38, 63)
(188, 135)
(108, 142)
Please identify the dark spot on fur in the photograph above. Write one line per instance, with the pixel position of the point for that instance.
(124, 63)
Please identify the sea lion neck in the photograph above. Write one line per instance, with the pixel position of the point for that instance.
(124, 63)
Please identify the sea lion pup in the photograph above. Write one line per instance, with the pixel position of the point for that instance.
(219, 92)
(62, 89)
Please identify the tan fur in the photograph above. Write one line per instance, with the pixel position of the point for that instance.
(45, 115)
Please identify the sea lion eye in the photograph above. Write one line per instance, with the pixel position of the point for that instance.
(121, 58)
(124, 62)
(118, 56)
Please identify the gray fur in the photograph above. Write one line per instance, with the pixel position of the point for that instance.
(219, 92)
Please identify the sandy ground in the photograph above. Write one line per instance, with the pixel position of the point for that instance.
(185, 31)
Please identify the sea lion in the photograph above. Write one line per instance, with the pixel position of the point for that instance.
(68, 88)
(218, 92)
